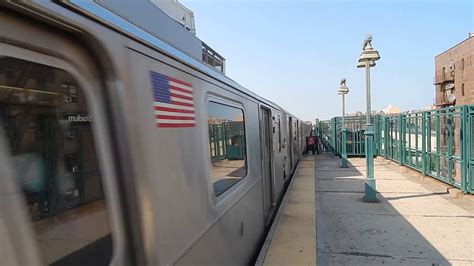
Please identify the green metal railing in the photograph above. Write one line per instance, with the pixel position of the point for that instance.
(330, 132)
(437, 143)
(226, 141)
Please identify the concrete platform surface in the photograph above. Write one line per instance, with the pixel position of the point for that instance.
(292, 238)
(415, 223)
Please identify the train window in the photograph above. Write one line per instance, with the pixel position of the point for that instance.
(45, 116)
(227, 146)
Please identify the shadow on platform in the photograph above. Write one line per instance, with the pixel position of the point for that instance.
(350, 232)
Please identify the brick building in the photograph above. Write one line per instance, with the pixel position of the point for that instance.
(454, 74)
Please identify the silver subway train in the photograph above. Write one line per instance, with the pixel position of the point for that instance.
(117, 147)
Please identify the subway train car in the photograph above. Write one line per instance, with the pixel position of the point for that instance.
(117, 147)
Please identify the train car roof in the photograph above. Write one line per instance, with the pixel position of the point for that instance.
(118, 23)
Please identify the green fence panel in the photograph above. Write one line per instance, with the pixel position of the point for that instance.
(438, 143)
(355, 128)
(224, 142)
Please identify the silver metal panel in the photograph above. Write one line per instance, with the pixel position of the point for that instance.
(178, 177)
(234, 239)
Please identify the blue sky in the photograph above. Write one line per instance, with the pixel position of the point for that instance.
(295, 52)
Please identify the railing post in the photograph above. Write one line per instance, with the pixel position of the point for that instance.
(463, 137)
(469, 179)
(449, 126)
(464, 150)
(385, 132)
(376, 135)
(400, 139)
(438, 137)
(417, 142)
(424, 136)
(338, 139)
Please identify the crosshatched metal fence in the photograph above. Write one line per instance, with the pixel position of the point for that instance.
(330, 132)
(438, 143)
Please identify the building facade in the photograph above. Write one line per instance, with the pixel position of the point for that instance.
(454, 74)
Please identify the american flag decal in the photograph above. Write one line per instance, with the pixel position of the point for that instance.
(174, 103)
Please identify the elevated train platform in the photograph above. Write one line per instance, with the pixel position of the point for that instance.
(292, 237)
(324, 221)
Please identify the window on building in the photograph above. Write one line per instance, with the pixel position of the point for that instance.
(48, 127)
(462, 89)
(227, 146)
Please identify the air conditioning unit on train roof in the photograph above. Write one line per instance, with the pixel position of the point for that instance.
(178, 12)
(169, 21)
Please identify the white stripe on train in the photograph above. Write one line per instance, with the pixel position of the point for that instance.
(189, 94)
(174, 106)
(157, 112)
(176, 99)
(172, 83)
(173, 121)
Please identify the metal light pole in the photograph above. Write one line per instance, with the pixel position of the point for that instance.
(343, 90)
(367, 59)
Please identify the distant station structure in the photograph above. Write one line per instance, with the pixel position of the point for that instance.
(454, 74)
(390, 109)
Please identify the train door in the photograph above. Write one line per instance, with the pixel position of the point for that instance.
(297, 138)
(290, 142)
(301, 137)
(279, 166)
(277, 162)
(56, 147)
(268, 186)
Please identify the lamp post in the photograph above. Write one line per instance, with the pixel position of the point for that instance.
(367, 60)
(343, 90)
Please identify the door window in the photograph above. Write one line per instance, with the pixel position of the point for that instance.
(45, 116)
